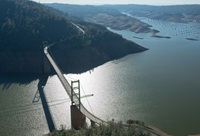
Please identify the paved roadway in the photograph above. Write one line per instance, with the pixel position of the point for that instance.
(67, 87)
(80, 29)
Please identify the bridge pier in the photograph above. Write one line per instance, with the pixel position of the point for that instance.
(78, 119)
(92, 123)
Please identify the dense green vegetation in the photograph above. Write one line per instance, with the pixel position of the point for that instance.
(25, 24)
(111, 129)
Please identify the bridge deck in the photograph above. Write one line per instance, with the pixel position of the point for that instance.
(67, 87)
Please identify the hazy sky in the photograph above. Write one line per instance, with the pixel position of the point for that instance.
(148, 2)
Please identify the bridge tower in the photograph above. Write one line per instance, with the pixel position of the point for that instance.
(78, 119)
(46, 64)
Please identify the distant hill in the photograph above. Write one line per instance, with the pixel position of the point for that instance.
(111, 15)
(175, 13)
(24, 25)
(104, 15)
(83, 11)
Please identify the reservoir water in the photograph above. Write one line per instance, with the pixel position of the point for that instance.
(160, 86)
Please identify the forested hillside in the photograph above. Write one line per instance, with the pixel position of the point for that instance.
(24, 25)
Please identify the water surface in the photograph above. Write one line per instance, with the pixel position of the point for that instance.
(160, 86)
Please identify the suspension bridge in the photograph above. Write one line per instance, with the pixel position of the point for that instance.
(78, 111)
(74, 96)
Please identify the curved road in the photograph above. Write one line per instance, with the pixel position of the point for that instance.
(80, 29)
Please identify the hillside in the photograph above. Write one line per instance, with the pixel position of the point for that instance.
(104, 15)
(111, 15)
(24, 25)
(127, 17)
(175, 13)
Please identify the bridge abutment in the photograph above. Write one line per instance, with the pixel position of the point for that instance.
(92, 123)
(78, 119)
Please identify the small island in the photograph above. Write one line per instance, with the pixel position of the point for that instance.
(192, 39)
(154, 34)
(158, 36)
